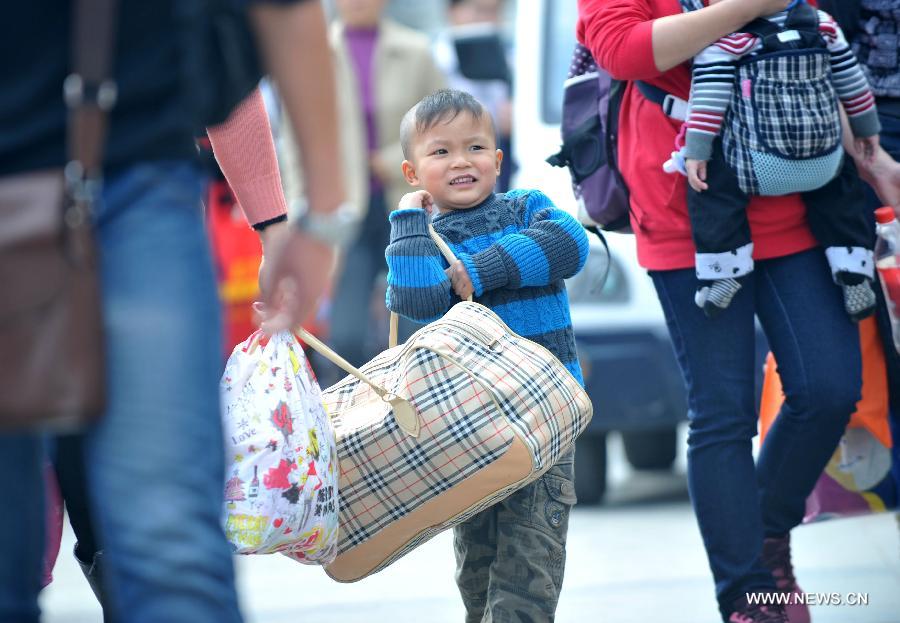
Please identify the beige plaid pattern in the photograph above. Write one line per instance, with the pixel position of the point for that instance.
(475, 386)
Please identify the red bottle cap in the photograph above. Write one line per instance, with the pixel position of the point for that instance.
(885, 214)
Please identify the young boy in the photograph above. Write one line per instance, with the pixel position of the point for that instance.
(514, 251)
(778, 140)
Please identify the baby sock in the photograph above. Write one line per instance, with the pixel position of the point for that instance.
(714, 296)
(859, 297)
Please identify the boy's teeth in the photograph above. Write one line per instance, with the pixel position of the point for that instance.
(461, 179)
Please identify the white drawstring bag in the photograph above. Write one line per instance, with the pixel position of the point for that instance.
(281, 492)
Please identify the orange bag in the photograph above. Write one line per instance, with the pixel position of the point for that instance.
(237, 254)
(863, 474)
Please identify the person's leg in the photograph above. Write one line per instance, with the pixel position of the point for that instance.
(475, 548)
(890, 140)
(22, 527)
(362, 262)
(156, 461)
(526, 574)
(721, 235)
(68, 463)
(817, 350)
(837, 218)
(721, 398)
(67, 455)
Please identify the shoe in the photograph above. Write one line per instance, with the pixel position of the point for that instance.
(745, 612)
(776, 557)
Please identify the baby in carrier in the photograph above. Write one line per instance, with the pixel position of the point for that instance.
(763, 119)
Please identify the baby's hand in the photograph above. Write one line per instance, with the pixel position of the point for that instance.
(459, 277)
(696, 174)
(866, 148)
(419, 199)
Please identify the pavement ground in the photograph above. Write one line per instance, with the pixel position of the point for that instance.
(636, 559)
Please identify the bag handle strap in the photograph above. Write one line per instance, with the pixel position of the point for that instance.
(404, 413)
(447, 252)
(90, 94)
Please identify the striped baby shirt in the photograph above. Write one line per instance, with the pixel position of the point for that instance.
(517, 248)
(713, 83)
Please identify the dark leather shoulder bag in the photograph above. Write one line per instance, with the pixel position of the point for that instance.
(52, 363)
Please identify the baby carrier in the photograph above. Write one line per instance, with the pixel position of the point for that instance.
(782, 131)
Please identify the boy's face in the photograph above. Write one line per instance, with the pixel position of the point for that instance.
(456, 161)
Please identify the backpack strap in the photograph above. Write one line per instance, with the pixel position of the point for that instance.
(672, 105)
(762, 28)
(801, 18)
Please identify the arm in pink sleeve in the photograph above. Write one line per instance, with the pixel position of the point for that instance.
(245, 152)
(619, 34)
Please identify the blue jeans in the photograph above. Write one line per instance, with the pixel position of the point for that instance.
(21, 527)
(816, 345)
(156, 460)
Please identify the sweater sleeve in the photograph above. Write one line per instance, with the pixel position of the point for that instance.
(849, 80)
(619, 34)
(552, 246)
(245, 151)
(712, 85)
(417, 286)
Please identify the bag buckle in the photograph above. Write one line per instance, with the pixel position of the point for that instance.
(675, 107)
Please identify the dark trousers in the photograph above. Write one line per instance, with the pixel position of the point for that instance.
(737, 502)
(68, 462)
(835, 212)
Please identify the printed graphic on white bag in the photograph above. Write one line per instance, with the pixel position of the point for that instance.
(282, 493)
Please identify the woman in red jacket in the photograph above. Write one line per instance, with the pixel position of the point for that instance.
(745, 512)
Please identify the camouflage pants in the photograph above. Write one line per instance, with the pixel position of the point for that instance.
(510, 558)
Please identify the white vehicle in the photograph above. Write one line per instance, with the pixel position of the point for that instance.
(630, 370)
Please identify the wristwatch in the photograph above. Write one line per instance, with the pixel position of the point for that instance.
(337, 228)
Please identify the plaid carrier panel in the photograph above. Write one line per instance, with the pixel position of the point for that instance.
(784, 105)
(475, 385)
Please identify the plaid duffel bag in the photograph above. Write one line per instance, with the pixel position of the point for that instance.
(437, 429)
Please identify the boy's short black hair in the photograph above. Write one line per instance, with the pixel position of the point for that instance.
(442, 105)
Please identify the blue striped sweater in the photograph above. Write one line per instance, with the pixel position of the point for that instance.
(517, 248)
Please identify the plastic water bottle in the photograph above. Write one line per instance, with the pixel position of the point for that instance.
(887, 261)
